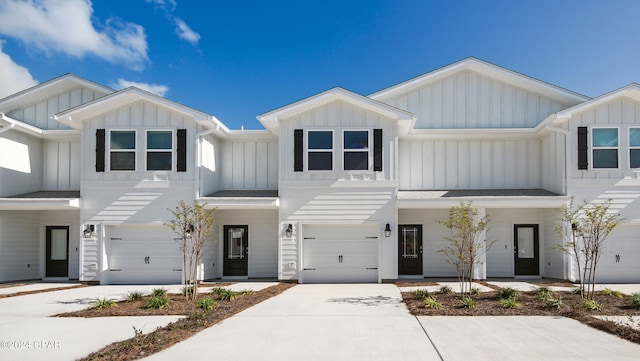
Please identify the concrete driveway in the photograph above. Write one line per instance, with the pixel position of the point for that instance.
(369, 322)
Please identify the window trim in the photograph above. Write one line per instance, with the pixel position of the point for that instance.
(594, 148)
(369, 150)
(631, 147)
(134, 150)
(307, 150)
(172, 150)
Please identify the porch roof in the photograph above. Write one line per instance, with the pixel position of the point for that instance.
(42, 200)
(242, 199)
(490, 198)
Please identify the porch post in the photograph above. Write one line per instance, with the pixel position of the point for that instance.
(480, 268)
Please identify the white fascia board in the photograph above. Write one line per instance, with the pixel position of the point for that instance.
(631, 91)
(40, 133)
(36, 204)
(488, 202)
(476, 133)
(251, 134)
(221, 203)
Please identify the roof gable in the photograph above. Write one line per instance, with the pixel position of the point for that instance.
(489, 70)
(48, 89)
(631, 91)
(270, 120)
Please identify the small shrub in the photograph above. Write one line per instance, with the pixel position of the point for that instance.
(421, 293)
(245, 292)
(543, 292)
(635, 300)
(207, 303)
(227, 295)
(157, 302)
(509, 303)
(159, 292)
(475, 291)
(430, 302)
(576, 290)
(469, 303)
(445, 290)
(134, 296)
(614, 293)
(553, 301)
(99, 304)
(507, 293)
(592, 305)
(218, 290)
(187, 290)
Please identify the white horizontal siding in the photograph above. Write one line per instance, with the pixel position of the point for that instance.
(39, 114)
(464, 164)
(470, 100)
(249, 165)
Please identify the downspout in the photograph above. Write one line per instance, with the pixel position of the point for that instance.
(11, 125)
(199, 157)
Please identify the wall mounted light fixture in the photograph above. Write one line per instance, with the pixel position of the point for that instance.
(289, 231)
(88, 230)
(189, 230)
(387, 231)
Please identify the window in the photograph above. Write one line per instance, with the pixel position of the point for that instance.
(356, 150)
(634, 147)
(122, 150)
(320, 150)
(159, 150)
(605, 147)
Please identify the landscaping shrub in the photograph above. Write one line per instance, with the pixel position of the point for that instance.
(507, 293)
(187, 290)
(430, 302)
(445, 290)
(592, 305)
(469, 303)
(134, 296)
(422, 293)
(543, 292)
(614, 293)
(159, 292)
(509, 303)
(103, 303)
(635, 300)
(207, 303)
(157, 302)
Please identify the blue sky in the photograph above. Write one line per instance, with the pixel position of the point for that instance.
(238, 59)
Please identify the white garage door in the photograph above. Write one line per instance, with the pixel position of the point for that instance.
(143, 255)
(339, 253)
(620, 260)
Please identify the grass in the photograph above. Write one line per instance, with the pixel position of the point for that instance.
(509, 303)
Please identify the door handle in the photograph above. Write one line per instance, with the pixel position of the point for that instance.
(340, 259)
(147, 260)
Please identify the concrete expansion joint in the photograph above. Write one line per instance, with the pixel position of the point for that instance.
(429, 337)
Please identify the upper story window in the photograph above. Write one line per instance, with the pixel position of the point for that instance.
(634, 147)
(122, 150)
(159, 150)
(605, 147)
(320, 150)
(356, 150)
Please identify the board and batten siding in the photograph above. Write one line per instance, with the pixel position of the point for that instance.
(619, 113)
(39, 114)
(263, 241)
(553, 162)
(139, 116)
(337, 116)
(248, 165)
(209, 165)
(469, 164)
(20, 163)
(470, 100)
(62, 163)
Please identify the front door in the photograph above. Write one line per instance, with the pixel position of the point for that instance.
(236, 250)
(57, 263)
(410, 250)
(527, 259)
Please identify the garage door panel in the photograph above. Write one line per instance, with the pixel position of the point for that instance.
(620, 258)
(340, 276)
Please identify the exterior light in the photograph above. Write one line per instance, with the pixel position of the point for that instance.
(289, 231)
(88, 231)
(189, 230)
(387, 231)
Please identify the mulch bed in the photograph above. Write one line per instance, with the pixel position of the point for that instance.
(531, 305)
(197, 320)
(415, 284)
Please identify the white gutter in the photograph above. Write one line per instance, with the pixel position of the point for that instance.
(567, 157)
(11, 125)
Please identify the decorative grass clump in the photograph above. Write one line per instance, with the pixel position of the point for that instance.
(134, 296)
(445, 290)
(507, 293)
(157, 302)
(99, 304)
(207, 304)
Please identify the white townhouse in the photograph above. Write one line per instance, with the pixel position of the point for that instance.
(338, 187)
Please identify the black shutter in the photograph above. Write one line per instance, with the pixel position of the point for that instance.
(583, 148)
(377, 150)
(100, 137)
(181, 165)
(298, 151)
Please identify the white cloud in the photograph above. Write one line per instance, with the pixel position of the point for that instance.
(158, 89)
(186, 33)
(67, 27)
(14, 77)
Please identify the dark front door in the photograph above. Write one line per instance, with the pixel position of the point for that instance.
(57, 263)
(236, 250)
(410, 250)
(526, 244)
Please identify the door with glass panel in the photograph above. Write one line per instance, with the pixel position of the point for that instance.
(526, 250)
(410, 250)
(57, 251)
(236, 250)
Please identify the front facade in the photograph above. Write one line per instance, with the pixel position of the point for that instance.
(339, 187)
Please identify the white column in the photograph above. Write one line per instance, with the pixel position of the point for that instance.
(480, 268)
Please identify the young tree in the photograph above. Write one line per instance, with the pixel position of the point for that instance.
(194, 227)
(466, 242)
(588, 225)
